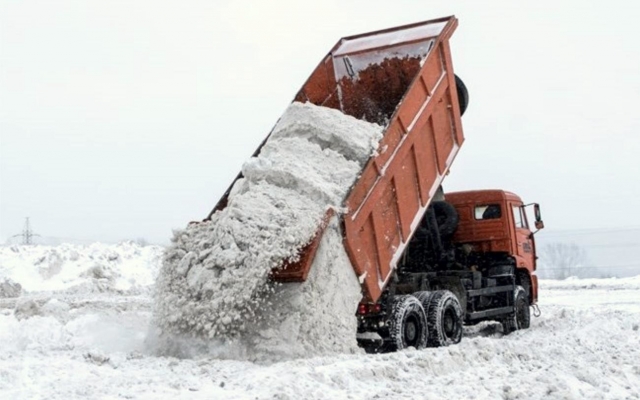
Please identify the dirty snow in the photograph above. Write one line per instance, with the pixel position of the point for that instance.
(78, 345)
(213, 284)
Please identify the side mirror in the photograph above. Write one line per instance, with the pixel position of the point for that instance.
(538, 215)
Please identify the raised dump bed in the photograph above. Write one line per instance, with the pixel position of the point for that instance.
(402, 79)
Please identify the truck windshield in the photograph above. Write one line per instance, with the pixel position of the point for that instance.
(489, 211)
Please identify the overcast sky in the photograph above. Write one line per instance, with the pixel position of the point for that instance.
(125, 119)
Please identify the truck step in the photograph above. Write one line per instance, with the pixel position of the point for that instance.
(490, 290)
(488, 313)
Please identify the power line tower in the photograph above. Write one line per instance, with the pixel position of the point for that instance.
(27, 233)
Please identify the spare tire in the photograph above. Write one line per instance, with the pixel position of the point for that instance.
(447, 217)
(463, 95)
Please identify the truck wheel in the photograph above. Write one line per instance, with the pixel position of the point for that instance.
(463, 95)
(424, 297)
(444, 319)
(522, 317)
(408, 323)
(523, 279)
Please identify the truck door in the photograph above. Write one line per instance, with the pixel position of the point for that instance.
(523, 240)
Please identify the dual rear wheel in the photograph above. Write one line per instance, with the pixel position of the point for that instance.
(434, 319)
(425, 319)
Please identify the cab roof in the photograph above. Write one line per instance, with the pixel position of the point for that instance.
(481, 196)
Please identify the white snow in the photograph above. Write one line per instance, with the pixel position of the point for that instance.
(313, 318)
(92, 345)
(97, 267)
(213, 284)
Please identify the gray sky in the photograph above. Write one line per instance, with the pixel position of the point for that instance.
(125, 119)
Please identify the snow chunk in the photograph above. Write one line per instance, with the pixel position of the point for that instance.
(356, 140)
(26, 308)
(9, 288)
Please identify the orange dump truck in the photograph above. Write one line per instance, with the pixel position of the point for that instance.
(428, 261)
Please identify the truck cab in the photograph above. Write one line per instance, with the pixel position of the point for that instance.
(494, 227)
(472, 258)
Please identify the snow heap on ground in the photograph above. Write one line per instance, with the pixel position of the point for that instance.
(214, 280)
(74, 268)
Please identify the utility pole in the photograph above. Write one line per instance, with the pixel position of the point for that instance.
(27, 233)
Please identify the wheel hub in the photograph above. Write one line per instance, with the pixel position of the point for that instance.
(449, 323)
(411, 331)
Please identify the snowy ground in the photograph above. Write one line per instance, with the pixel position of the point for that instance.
(91, 344)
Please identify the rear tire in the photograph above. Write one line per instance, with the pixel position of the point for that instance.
(408, 324)
(444, 319)
(424, 297)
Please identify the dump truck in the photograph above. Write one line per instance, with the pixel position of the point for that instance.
(428, 261)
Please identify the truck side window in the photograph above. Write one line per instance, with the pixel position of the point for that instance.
(489, 211)
(517, 217)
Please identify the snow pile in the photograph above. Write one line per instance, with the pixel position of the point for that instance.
(57, 325)
(26, 308)
(98, 267)
(214, 279)
(315, 317)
